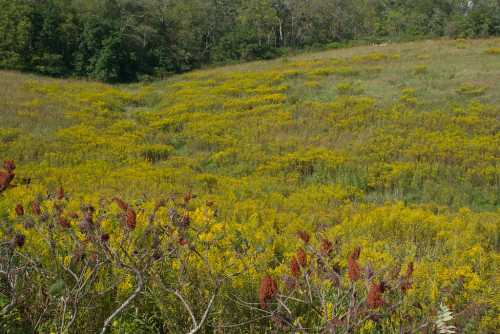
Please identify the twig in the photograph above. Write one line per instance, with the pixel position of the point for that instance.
(186, 305)
(207, 310)
(246, 322)
(197, 325)
(140, 284)
(8, 307)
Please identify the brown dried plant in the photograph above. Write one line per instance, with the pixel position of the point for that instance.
(268, 289)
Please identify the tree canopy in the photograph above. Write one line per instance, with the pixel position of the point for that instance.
(125, 40)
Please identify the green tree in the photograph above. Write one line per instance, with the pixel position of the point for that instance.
(121, 40)
(115, 62)
(15, 34)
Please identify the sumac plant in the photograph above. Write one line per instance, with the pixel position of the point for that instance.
(64, 271)
(321, 295)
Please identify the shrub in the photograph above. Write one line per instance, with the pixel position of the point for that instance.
(349, 88)
(420, 69)
(471, 90)
(102, 258)
(346, 71)
(409, 97)
(318, 293)
(493, 51)
(8, 135)
(335, 45)
(157, 152)
(312, 84)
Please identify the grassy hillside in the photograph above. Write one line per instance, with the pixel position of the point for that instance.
(391, 148)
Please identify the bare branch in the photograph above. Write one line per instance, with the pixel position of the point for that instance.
(140, 284)
(207, 310)
(8, 307)
(186, 306)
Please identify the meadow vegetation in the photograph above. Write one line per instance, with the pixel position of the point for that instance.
(353, 190)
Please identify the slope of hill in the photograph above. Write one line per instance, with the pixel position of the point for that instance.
(393, 148)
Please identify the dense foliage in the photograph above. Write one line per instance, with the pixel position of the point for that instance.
(124, 40)
(353, 190)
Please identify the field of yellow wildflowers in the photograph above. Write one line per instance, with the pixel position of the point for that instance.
(349, 191)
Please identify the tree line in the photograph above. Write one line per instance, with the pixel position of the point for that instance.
(127, 40)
